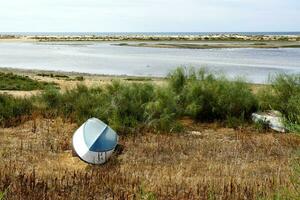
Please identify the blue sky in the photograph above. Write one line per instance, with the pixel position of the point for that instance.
(149, 15)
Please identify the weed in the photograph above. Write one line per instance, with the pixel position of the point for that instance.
(13, 109)
(10, 81)
(261, 126)
(283, 95)
(145, 195)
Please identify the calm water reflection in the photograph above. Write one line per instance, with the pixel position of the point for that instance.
(104, 58)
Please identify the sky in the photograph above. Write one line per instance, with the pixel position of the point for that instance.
(149, 15)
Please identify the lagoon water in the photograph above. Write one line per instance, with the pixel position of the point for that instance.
(104, 58)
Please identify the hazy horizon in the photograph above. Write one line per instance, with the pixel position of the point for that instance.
(150, 16)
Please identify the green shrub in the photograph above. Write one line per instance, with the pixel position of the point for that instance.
(234, 122)
(10, 81)
(235, 99)
(13, 109)
(293, 109)
(77, 104)
(143, 194)
(261, 126)
(51, 102)
(161, 113)
(283, 87)
(126, 104)
(177, 79)
(127, 107)
(205, 97)
(283, 95)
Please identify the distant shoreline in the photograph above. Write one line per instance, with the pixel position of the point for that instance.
(224, 45)
(71, 73)
(146, 37)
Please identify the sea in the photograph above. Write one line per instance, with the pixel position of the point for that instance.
(252, 64)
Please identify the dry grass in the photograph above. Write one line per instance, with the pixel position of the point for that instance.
(206, 162)
(20, 93)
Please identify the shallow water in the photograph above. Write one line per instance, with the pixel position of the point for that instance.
(103, 58)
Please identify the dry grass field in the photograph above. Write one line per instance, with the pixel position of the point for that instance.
(204, 162)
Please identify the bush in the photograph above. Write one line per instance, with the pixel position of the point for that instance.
(51, 102)
(162, 112)
(82, 103)
(205, 97)
(13, 109)
(77, 104)
(10, 81)
(283, 95)
(177, 79)
(127, 107)
(126, 104)
(293, 109)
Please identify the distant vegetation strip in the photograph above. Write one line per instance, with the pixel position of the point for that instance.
(61, 76)
(10, 81)
(211, 46)
(141, 37)
(130, 107)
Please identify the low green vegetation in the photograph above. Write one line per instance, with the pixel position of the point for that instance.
(127, 107)
(13, 110)
(61, 76)
(53, 75)
(138, 79)
(10, 81)
(283, 95)
(225, 44)
(259, 43)
(79, 78)
(205, 97)
(130, 106)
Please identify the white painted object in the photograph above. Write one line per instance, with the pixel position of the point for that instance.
(272, 118)
(94, 141)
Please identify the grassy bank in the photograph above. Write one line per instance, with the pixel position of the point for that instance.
(131, 106)
(10, 81)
